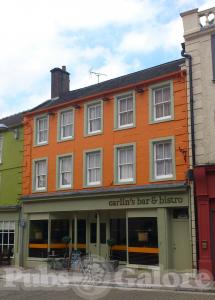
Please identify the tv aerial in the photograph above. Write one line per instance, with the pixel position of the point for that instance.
(96, 74)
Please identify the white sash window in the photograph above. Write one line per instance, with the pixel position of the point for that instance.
(162, 102)
(125, 164)
(125, 110)
(163, 164)
(40, 175)
(93, 161)
(66, 124)
(94, 113)
(65, 172)
(42, 130)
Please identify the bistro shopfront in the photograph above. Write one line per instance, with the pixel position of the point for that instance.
(147, 226)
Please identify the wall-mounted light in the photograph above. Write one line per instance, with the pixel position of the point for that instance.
(106, 99)
(139, 90)
(77, 106)
(51, 113)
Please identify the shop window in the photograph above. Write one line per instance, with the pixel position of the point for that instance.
(143, 241)
(93, 233)
(7, 232)
(81, 235)
(103, 233)
(38, 239)
(118, 235)
(180, 213)
(59, 230)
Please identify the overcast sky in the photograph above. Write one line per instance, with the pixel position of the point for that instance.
(114, 37)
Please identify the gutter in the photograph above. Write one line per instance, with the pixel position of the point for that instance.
(193, 146)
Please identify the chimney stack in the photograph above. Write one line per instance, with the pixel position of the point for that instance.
(59, 81)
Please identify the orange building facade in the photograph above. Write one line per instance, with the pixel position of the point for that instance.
(107, 166)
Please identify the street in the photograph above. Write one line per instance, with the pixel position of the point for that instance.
(113, 294)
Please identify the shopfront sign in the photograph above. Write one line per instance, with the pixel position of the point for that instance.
(150, 201)
(103, 203)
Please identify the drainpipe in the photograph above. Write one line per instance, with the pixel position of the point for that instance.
(189, 57)
(193, 146)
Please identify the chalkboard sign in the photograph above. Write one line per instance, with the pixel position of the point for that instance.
(75, 260)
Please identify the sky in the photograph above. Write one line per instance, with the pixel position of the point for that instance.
(113, 37)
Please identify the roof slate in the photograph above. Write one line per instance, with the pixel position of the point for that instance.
(119, 82)
(13, 120)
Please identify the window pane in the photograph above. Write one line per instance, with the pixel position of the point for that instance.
(93, 167)
(93, 233)
(166, 93)
(158, 96)
(125, 163)
(162, 102)
(39, 237)
(167, 150)
(118, 235)
(103, 233)
(143, 233)
(94, 118)
(125, 110)
(42, 130)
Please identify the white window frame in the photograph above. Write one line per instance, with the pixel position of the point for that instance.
(167, 176)
(3, 231)
(60, 158)
(37, 120)
(162, 87)
(61, 126)
(124, 97)
(1, 148)
(36, 188)
(88, 117)
(117, 165)
(87, 154)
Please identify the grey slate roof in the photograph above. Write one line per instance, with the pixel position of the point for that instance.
(13, 120)
(119, 82)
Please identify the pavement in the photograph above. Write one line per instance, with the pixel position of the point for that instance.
(126, 278)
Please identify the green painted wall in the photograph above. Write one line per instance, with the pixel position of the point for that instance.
(11, 168)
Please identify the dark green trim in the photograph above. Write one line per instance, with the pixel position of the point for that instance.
(149, 188)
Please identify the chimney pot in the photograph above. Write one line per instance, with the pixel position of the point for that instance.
(59, 82)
